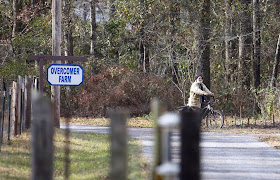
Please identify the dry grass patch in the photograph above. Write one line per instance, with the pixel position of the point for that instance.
(249, 130)
(273, 141)
(132, 122)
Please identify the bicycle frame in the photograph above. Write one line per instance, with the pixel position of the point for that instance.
(207, 109)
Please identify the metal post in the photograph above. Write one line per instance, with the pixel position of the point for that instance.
(190, 152)
(23, 107)
(3, 113)
(9, 121)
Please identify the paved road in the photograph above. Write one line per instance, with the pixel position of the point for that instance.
(238, 157)
(223, 156)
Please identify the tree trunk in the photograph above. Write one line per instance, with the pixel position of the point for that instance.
(16, 22)
(277, 53)
(174, 20)
(257, 43)
(144, 60)
(228, 41)
(141, 53)
(93, 29)
(68, 37)
(257, 49)
(275, 65)
(85, 12)
(245, 43)
(203, 55)
(56, 51)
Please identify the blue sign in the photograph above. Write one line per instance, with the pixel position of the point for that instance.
(65, 75)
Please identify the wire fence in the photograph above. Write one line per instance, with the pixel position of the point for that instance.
(15, 102)
(16, 116)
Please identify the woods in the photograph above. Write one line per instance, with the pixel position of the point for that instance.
(140, 49)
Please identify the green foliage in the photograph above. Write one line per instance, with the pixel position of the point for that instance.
(268, 101)
(36, 38)
(167, 29)
(11, 69)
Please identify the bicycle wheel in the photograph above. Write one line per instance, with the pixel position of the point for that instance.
(215, 120)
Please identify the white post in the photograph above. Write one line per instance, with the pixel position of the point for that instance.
(168, 169)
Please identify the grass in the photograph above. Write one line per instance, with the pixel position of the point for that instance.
(140, 122)
(89, 158)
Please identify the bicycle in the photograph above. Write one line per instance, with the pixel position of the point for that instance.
(214, 118)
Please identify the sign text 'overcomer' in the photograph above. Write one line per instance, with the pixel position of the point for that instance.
(65, 74)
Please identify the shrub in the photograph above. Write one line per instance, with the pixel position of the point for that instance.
(269, 102)
(118, 87)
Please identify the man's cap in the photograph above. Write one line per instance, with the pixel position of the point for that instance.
(197, 76)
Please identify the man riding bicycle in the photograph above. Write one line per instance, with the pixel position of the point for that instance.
(198, 92)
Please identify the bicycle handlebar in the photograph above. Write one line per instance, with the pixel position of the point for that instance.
(209, 101)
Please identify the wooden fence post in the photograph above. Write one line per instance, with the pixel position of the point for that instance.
(14, 108)
(42, 138)
(190, 152)
(27, 101)
(156, 108)
(118, 145)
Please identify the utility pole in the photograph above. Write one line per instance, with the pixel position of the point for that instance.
(56, 51)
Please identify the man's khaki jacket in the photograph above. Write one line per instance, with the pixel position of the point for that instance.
(196, 93)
